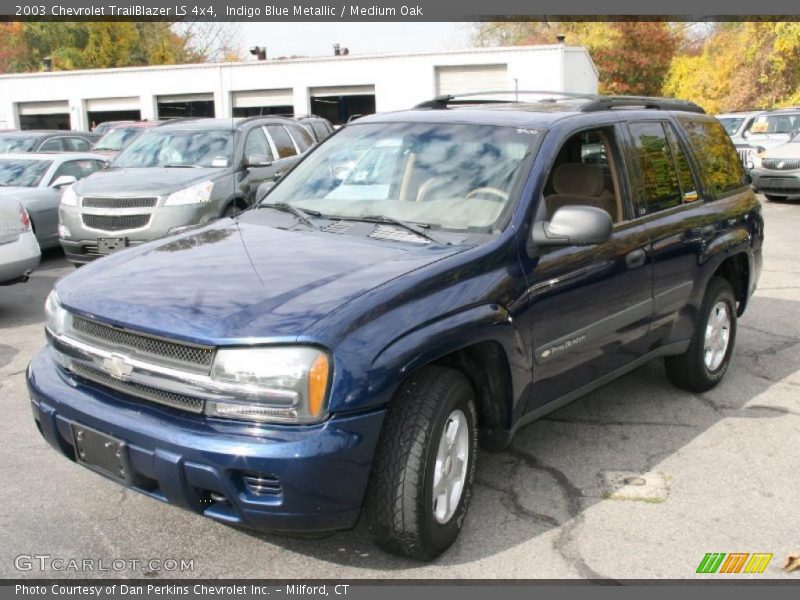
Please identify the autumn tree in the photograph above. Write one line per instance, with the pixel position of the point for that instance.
(631, 57)
(741, 66)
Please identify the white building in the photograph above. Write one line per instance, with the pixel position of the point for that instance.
(334, 86)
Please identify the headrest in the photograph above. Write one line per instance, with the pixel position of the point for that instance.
(578, 179)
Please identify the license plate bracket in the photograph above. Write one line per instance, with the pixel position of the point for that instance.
(110, 245)
(102, 453)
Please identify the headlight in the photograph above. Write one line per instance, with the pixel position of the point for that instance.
(288, 384)
(191, 195)
(69, 197)
(56, 317)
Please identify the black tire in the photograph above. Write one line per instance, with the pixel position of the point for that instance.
(689, 370)
(399, 504)
(774, 198)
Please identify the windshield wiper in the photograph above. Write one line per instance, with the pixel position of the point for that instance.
(301, 214)
(412, 227)
(181, 166)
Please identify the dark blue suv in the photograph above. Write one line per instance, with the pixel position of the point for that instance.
(421, 280)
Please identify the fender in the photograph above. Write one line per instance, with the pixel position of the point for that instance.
(731, 243)
(451, 333)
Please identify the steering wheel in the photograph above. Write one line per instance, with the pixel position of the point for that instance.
(498, 195)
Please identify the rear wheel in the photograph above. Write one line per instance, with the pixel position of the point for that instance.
(424, 465)
(704, 364)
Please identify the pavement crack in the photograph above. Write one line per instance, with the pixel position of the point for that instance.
(606, 423)
(566, 542)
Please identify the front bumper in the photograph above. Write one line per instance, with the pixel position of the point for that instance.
(319, 473)
(80, 246)
(777, 183)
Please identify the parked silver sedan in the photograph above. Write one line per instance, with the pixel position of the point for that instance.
(19, 251)
(37, 181)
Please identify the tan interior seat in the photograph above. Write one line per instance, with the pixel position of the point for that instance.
(578, 183)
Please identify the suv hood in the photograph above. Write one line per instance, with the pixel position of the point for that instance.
(153, 181)
(783, 151)
(234, 280)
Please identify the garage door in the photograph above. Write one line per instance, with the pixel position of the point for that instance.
(258, 98)
(342, 90)
(112, 104)
(185, 98)
(43, 108)
(463, 79)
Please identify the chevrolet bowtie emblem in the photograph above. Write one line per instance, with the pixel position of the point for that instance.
(781, 164)
(116, 366)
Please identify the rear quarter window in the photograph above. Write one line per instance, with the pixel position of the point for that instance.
(721, 169)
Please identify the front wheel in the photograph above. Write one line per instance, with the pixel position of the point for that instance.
(424, 465)
(704, 364)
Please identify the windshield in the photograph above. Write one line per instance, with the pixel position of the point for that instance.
(178, 148)
(117, 139)
(22, 173)
(787, 124)
(16, 143)
(458, 177)
(731, 124)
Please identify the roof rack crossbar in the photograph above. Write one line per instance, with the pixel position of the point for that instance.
(445, 100)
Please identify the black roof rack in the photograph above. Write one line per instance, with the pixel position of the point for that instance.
(647, 102)
(593, 102)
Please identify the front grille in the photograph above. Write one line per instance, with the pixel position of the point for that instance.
(778, 185)
(781, 164)
(743, 154)
(97, 202)
(145, 392)
(262, 485)
(116, 222)
(199, 358)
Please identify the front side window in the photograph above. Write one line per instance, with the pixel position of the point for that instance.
(22, 173)
(179, 148)
(256, 145)
(76, 168)
(719, 164)
(455, 177)
(76, 144)
(52, 145)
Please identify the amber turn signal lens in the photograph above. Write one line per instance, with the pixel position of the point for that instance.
(317, 384)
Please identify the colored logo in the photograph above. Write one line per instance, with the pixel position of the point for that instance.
(735, 562)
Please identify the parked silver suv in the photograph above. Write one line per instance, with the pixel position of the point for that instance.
(175, 176)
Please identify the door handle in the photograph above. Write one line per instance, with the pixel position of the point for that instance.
(636, 259)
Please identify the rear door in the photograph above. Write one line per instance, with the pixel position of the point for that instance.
(283, 147)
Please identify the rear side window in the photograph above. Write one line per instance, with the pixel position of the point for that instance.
(283, 143)
(320, 130)
(720, 165)
(661, 186)
(301, 137)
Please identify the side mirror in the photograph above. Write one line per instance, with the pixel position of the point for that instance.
(256, 160)
(63, 181)
(574, 226)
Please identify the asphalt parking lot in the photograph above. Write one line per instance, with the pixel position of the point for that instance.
(637, 480)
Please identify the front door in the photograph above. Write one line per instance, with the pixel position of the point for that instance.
(589, 307)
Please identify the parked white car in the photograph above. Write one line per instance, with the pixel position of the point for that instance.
(19, 250)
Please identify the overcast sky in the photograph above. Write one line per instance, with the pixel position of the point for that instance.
(317, 39)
